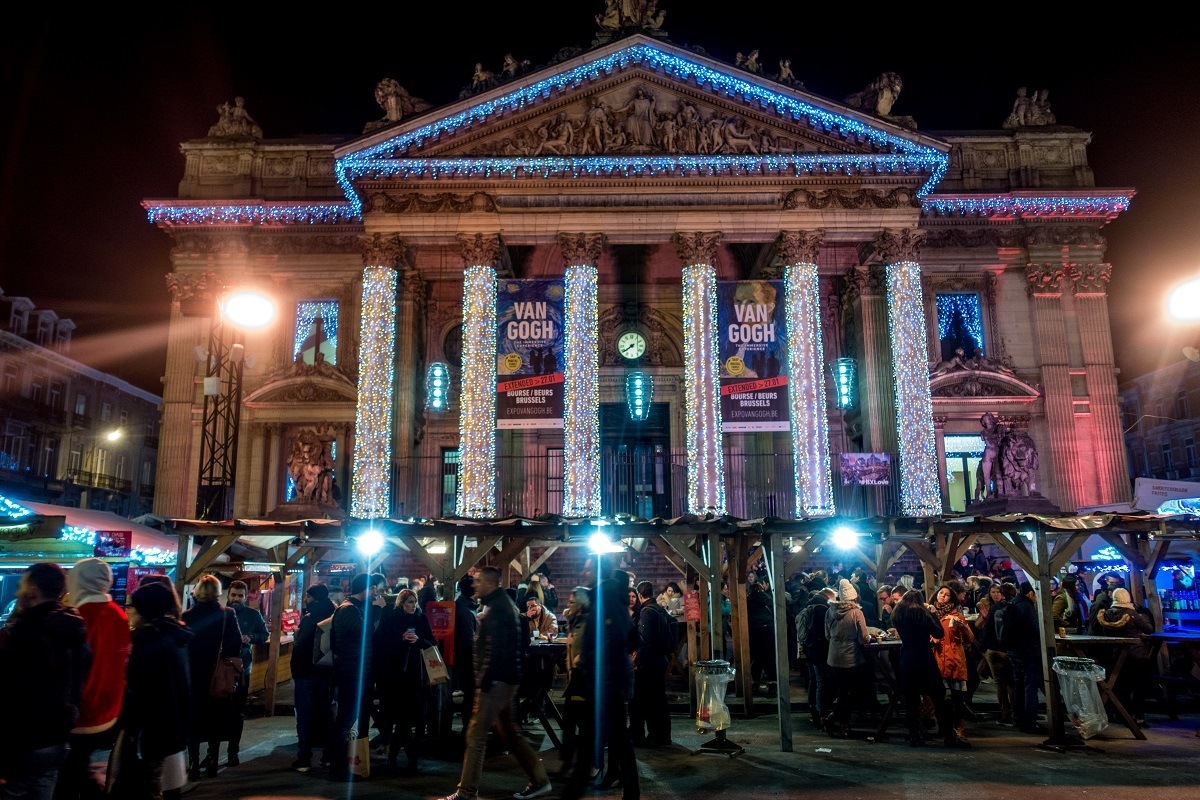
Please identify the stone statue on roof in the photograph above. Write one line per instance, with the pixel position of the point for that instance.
(396, 103)
(879, 96)
(629, 16)
(1030, 110)
(235, 122)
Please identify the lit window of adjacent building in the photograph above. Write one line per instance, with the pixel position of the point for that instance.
(74, 459)
(147, 473)
(81, 404)
(101, 461)
(37, 388)
(45, 331)
(119, 467)
(960, 324)
(123, 417)
(19, 320)
(12, 448)
(316, 331)
(48, 465)
(54, 395)
(1181, 405)
(1166, 456)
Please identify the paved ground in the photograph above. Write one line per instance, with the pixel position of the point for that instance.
(1003, 763)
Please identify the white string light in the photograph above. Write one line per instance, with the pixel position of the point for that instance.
(371, 487)
(477, 399)
(702, 391)
(806, 392)
(581, 421)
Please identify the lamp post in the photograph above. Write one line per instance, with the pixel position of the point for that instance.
(236, 312)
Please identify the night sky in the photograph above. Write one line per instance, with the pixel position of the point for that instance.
(99, 102)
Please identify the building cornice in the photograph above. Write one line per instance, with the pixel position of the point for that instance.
(1104, 204)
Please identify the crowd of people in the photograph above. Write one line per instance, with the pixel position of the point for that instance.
(144, 685)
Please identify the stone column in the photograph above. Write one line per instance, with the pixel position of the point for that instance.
(1045, 288)
(408, 405)
(806, 373)
(701, 375)
(920, 486)
(1089, 283)
(371, 490)
(274, 461)
(865, 296)
(581, 420)
(477, 399)
(254, 481)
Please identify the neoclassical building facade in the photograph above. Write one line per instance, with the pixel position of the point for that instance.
(631, 194)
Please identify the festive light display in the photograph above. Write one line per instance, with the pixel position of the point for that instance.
(903, 154)
(806, 392)
(581, 421)
(477, 400)
(639, 394)
(845, 374)
(253, 213)
(137, 555)
(702, 391)
(13, 509)
(920, 492)
(963, 445)
(437, 387)
(1011, 205)
(966, 304)
(371, 490)
(307, 312)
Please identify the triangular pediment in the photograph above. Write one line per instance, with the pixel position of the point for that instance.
(303, 383)
(640, 105)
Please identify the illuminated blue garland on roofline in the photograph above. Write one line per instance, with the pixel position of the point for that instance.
(378, 159)
(254, 213)
(1007, 205)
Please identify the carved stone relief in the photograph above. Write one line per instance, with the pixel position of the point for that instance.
(1089, 278)
(1045, 278)
(293, 244)
(184, 286)
(379, 250)
(850, 198)
(697, 248)
(445, 202)
(902, 245)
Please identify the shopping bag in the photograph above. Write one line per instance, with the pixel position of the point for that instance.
(435, 667)
(358, 755)
(125, 775)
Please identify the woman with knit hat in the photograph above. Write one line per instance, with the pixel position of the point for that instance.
(1122, 619)
(846, 628)
(107, 627)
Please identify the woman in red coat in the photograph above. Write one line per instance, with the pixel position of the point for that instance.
(951, 650)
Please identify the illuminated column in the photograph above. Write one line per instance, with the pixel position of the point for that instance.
(581, 421)
(702, 390)
(1050, 333)
(477, 399)
(371, 480)
(920, 488)
(806, 373)
(1089, 282)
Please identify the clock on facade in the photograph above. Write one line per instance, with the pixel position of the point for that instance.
(631, 345)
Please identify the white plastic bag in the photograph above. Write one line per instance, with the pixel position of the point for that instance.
(712, 678)
(1085, 707)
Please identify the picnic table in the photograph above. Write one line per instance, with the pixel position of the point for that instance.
(547, 653)
(1189, 641)
(880, 652)
(1087, 646)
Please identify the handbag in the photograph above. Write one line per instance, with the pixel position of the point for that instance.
(227, 673)
(435, 668)
(125, 775)
(358, 755)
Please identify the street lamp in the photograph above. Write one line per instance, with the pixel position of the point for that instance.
(114, 435)
(237, 311)
(1183, 303)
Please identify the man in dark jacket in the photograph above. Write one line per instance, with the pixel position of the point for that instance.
(649, 716)
(497, 674)
(254, 631)
(313, 686)
(814, 643)
(1019, 634)
(465, 626)
(353, 623)
(43, 664)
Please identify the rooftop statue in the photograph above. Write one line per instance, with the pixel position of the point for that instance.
(396, 103)
(620, 16)
(1029, 110)
(235, 122)
(879, 96)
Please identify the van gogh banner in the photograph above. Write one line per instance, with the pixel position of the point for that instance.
(753, 342)
(529, 354)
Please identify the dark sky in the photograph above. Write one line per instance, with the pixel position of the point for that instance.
(99, 102)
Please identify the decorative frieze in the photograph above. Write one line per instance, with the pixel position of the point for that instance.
(415, 202)
(850, 198)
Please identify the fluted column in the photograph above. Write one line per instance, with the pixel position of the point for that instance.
(274, 458)
(254, 501)
(371, 490)
(806, 373)
(581, 418)
(477, 399)
(410, 314)
(1090, 285)
(1045, 288)
(701, 373)
(920, 489)
(866, 297)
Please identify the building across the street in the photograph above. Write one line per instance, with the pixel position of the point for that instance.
(73, 435)
(638, 280)
(1159, 417)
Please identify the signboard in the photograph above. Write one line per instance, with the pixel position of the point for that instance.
(134, 579)
(291, 620)
(752, 338)
(1150, 493)
(866, 469)
(113, 544)
(441, 620)
(530, 355)
(120, 585)
(691, 606)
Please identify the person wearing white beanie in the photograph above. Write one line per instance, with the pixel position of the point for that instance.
(846, 628)
(1125, 620)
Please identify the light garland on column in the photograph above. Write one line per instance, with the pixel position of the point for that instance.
(920, 490)
(702, 391)
(806, 392)
(477, 399)
(581, 434)
(371, 489)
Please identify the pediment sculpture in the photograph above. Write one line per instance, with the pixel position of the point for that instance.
(234, 122)
(629, 16)
(1030, 110)
(396, 103)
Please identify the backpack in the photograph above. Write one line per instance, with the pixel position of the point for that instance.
(999, 618)
(670, 632)
(323, 645)
(807, 634)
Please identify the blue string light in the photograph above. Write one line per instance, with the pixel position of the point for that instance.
(1007, 205)
(254, 213)
(966, 304)
(307, 312)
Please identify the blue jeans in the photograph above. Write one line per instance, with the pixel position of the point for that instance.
(314, 703)
(34, 773)
(354, 703)
(820, 688)
(1027, 679)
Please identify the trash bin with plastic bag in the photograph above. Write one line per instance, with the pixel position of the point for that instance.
(1085, 707)
(712, 678)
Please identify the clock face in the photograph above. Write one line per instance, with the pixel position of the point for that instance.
(631, 345)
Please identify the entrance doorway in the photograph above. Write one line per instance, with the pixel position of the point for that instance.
(963, 453)
(635, 458)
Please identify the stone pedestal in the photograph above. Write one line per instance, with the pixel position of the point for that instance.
(1035, 503)
(290, 512)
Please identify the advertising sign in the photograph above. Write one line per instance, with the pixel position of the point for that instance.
(441, 620)
(1150, 493)
(691, 606)
(120, 585)
(529, 354)
(866, 469)
(113, 544)
(753, 355)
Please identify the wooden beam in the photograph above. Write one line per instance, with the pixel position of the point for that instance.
(278, 593)
(301, 552)
(1157, 554)
(475, 555)
(1126, 549)
(549, 551)
(694, 561)
(922, 550)
(1065, 548)
(813, 542)
(211, 552)
(783, 683)
(739, 623)
(1016, 551)
(669, 554)
(424, 556)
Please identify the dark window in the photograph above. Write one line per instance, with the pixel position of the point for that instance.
(960, 324)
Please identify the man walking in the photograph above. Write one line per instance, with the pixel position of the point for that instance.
(353, 623)
(254, 631)
(43, 665)
(497, 673)
(649, 716)
(464, 645)
(313, 690)
(1018, 633)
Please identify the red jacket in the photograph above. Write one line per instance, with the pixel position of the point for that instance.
(108, 638)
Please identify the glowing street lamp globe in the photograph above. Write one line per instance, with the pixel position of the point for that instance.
(845, 538)
(248, 309)
(1183, 303)
(370, 543)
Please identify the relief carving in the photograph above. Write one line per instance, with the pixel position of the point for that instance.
(897, 246)
(480, 249)
(292, 244)
(800, 247)
(184, 286)
(697, 248)
(446, 202)
(850, 198)
(1089, 278)
(1045, 279)
(581, 248)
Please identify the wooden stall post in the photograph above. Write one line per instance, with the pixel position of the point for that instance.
(716, 620)
(738, 564)
(1054, 709)
(278, 555)
(773, 547)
